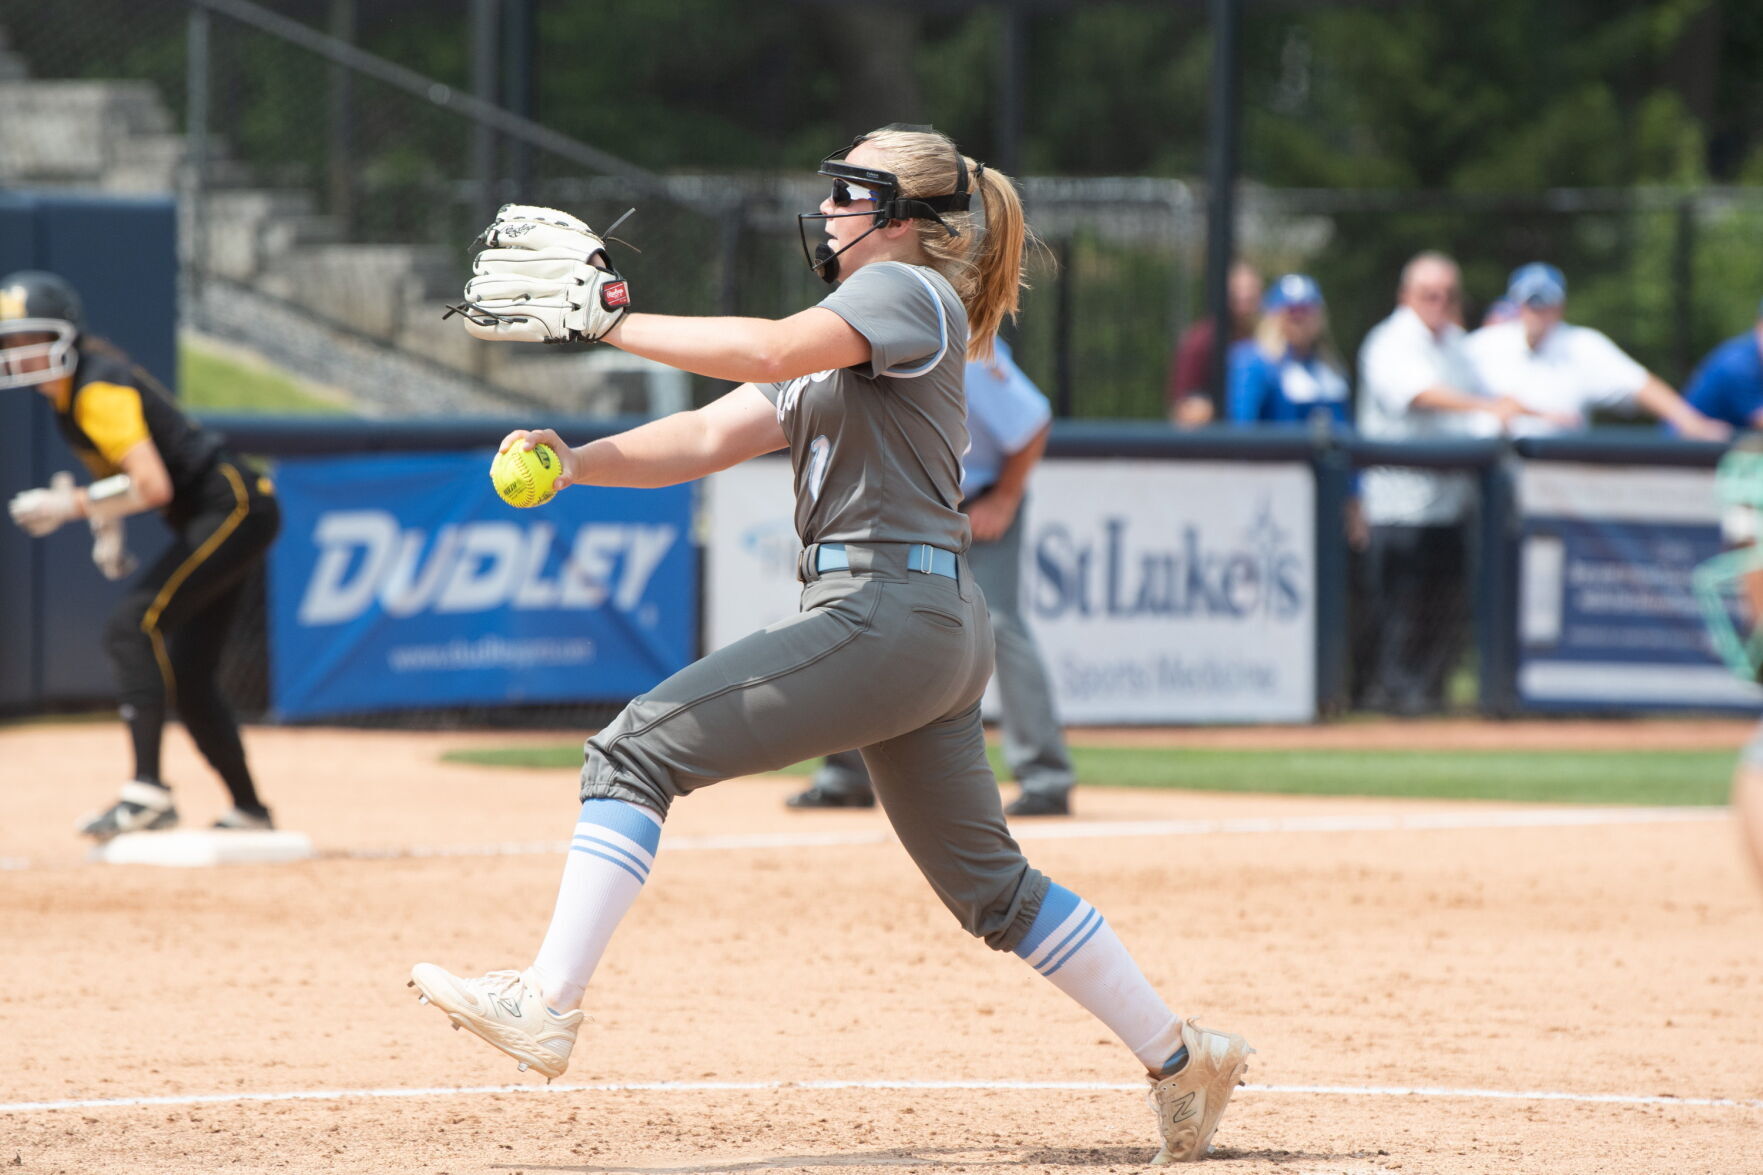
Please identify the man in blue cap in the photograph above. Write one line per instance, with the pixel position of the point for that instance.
(1728, 386)
(1561, 373)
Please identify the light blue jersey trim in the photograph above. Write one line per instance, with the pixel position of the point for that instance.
(942, 335)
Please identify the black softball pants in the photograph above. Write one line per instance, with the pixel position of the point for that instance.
(166, 637)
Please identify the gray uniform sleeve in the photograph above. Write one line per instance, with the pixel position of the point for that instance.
(897, 309)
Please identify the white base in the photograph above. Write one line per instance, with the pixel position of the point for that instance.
(204, 847)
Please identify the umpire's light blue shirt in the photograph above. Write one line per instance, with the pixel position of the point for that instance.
(1729, 384)
(1004, 412)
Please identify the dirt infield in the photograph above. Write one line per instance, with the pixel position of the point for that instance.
(785, 988)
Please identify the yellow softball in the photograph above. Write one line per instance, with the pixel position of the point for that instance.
(525, 477)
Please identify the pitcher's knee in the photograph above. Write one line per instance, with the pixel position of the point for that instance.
(614, 767)
(1002, 914)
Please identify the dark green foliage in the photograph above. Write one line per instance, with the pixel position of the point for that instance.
(1483, 105)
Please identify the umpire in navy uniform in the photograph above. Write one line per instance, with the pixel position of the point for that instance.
(1008, 420)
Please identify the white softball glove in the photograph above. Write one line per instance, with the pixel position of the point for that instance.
(110, 551)
(542, 277)
(41, 512)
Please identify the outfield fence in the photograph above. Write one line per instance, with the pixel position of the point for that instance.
(1171, 577)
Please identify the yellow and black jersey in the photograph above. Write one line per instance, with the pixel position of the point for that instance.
(113, 405)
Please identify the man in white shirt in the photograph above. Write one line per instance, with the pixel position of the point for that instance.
(1008, 420)
(1561, 373)
(1416, 383)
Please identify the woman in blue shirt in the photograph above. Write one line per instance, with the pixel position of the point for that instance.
(1287, 373)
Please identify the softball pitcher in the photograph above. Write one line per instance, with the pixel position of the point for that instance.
(891, 650)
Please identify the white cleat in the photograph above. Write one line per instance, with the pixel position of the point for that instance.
(506, 1009)
(1189, 1102)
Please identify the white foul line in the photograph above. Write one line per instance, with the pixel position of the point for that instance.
(1456, 820)
(211, 1099)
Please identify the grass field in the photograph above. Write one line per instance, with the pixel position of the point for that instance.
(1590, 777)
(213, 381)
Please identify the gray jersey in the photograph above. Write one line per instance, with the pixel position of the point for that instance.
(877, 448)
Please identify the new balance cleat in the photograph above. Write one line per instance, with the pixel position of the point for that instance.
(1189, 1102)
(505, 1008)
(139, 807)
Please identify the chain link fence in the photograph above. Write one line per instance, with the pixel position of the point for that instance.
(333, 196)
(330, 197)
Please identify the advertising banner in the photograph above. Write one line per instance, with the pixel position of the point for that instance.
(1165, 591)
(1159, 591)
(1608, 616)
(403, 581)
(750, 550)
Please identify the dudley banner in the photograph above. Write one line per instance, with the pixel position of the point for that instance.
(402, 581)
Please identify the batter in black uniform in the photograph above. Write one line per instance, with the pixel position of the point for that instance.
(166, 636)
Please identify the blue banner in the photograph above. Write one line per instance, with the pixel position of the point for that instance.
(1608, 615)
(404, 581)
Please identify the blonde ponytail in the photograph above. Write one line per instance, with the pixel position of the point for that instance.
(984, 261)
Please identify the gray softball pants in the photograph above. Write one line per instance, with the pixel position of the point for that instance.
(1034, 740)
(882, 658)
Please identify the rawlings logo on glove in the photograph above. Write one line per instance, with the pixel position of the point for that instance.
(543, 276)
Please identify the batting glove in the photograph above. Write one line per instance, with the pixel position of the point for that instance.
(43, 511)
(110, 550)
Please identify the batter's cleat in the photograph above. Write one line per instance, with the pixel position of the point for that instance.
(139, 807)
(244, 820)
(506, 1009)
(1189, 1102)
(822, 796)
(1031, 803)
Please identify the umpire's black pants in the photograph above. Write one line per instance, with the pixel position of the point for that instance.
(166, 636)
(1421, 584)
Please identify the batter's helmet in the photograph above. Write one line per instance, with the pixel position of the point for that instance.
(32, 303)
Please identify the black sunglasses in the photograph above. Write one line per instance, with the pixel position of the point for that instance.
(846, 193)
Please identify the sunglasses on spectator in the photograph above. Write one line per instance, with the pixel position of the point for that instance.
(1449, 295)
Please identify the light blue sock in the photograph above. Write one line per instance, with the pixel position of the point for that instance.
(609, 860)
(1074, 947)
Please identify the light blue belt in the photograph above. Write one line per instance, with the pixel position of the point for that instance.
(919, 557)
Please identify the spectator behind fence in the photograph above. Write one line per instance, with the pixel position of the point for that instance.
(1561, 373)
(1416, 384)
(1287, 372)
(1728, 386)
(1187, 398)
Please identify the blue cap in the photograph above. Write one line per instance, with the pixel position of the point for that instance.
(1537, 284)
(1294, 289)
(1498, 311)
